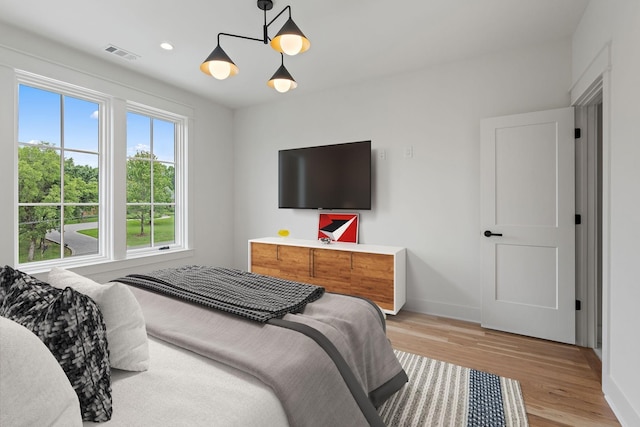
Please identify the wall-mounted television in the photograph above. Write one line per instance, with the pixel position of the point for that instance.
(325, 177)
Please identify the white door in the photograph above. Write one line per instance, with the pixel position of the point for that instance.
(528, 224)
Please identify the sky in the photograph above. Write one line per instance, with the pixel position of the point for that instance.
(39, 120)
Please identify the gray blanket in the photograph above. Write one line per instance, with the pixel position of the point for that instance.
(309, 384)
(254, 296)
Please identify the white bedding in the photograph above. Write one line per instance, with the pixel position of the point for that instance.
(182, 388)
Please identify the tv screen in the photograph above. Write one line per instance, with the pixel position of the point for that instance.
(325, 177)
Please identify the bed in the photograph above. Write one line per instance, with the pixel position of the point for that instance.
(183, 363)
(184, 388)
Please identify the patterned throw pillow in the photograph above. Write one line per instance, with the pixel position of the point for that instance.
(71, 326)
(7, 276)
(126, 332)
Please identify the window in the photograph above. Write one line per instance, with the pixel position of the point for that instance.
(58, 175)
(151, 198)
(72, 181)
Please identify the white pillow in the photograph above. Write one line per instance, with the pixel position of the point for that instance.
(126, 332)
(34, 390)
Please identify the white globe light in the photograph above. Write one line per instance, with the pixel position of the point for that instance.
(282, 85)
(291, 44)
(220, 69)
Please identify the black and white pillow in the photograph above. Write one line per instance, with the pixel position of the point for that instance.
(71, 326)
(7, 276)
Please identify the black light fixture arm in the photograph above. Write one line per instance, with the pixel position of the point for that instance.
(265, 35)
(276, 17)
(237, 36)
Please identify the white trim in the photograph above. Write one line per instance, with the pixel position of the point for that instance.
(587, 241)
(112, 266)
(581, 155)
(179, 203)
(592, 227)
(583, 88)
(118, 179)
(606, 240)
(451, 311)
(104, 106)
(9, 124)
(598, 77)
(581, 92)
(619, 403)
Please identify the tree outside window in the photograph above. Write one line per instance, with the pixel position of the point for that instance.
(150, 181)
(58, 175)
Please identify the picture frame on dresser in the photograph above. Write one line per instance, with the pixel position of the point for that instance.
(338, 227)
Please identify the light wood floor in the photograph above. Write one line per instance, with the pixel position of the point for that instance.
(561, 384)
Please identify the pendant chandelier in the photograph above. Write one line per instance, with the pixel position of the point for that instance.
(289, 40)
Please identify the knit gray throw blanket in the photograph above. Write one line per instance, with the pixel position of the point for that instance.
(253, 296)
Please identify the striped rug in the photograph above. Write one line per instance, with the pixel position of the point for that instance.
(443, 394)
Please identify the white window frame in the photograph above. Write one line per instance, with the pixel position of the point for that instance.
(112, 183)
(104, 102)
(180, 138)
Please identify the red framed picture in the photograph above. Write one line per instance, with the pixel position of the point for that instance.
(339, 227)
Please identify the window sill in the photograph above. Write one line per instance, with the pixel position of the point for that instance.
(102, 265)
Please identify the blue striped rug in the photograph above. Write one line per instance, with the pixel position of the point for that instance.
(443, 394)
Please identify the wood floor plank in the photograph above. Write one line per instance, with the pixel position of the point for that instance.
(561, 384)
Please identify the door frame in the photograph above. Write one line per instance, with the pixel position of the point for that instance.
(598, 75)
(588, 235)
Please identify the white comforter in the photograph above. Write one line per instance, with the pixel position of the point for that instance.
(182, 388)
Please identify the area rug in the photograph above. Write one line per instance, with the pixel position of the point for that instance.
(444, 394)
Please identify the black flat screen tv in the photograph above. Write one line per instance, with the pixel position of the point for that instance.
(325, 177)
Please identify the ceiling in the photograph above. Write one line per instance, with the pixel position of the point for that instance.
(351, 40)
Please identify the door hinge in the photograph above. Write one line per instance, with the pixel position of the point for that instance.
(577, 133)
(578, 305)
(578, 219)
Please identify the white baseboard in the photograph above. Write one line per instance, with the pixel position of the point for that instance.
(460, 312)
(620, 405)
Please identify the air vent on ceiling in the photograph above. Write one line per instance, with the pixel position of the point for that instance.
(121, 53)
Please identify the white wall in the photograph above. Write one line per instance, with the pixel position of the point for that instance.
(428, 203)
(618, 23)
(210, 151)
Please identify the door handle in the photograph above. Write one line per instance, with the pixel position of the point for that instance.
(488, 233)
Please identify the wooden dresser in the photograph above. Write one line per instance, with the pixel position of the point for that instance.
(371, 271)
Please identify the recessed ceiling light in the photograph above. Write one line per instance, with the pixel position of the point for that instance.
(166, 46)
